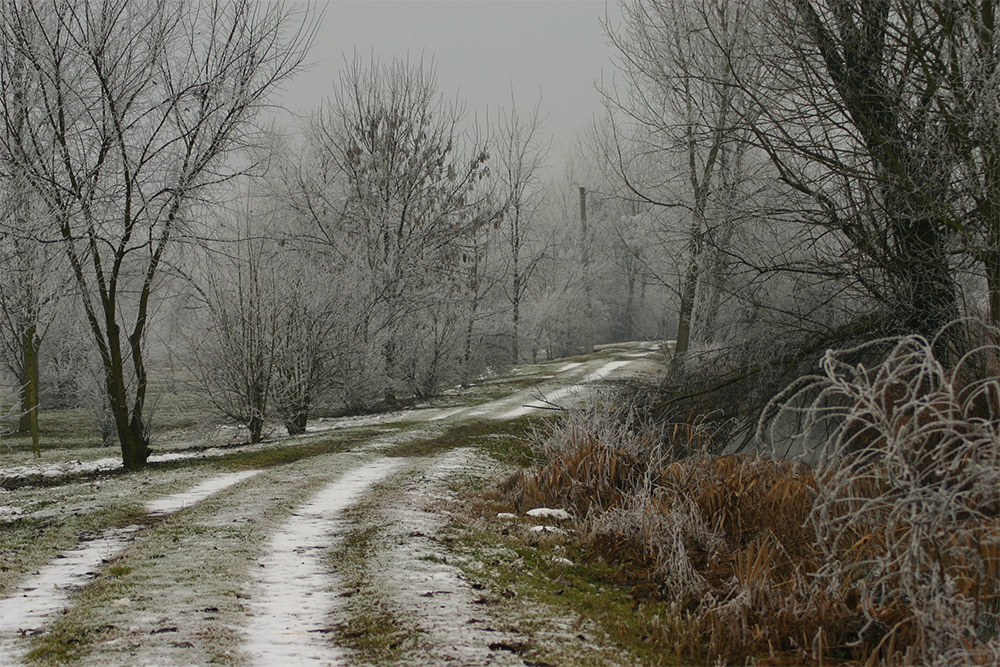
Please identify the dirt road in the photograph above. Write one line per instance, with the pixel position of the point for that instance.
(337, 547)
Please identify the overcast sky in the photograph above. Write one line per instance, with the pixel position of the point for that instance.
(550, 51)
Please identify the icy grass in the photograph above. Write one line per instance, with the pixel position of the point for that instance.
(887, 551)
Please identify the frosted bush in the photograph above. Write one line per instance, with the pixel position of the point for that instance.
(908, 492)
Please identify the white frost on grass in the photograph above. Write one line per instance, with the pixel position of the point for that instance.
(34, 601)
(51, 470)
(549, 513)
(10, 513)
(44, 594)
(289, 623)
(570, 366)
(415, 577)
(178, 501)
(605, 370)
(445, 414)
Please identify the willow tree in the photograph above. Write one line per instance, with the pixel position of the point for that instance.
(119, 114)
(884, 114)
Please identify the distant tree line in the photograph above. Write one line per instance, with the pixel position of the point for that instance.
(387, 249)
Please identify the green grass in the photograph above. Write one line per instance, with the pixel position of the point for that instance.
(506, 441)
(373, 631)
(284, 454)
(590, 591)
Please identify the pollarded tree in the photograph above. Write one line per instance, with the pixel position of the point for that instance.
(266, 350)
(310, 315)
(237, 354)
(883, 114)
(119, 114)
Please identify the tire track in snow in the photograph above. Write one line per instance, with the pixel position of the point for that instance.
(560, 394)
(413, 573)
(46, 593)
(290, 613)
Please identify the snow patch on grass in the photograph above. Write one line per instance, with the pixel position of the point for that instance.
(415, 577)
(36, 600)
(44, 594)
(552, 398)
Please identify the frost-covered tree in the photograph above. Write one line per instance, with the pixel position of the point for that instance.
(680, 110)
(32, 283)
(119, 114)
(397, 188)
(519, 156)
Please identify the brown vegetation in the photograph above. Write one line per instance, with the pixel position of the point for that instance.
(886, 550)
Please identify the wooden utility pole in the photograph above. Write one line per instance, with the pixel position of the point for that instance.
(585, 261)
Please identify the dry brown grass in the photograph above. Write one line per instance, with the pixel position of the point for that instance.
(887, 551)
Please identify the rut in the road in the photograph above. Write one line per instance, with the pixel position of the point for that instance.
(290, 622)
(36, 600)
(412, 569)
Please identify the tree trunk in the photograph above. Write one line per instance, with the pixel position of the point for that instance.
(685, 311)
(515, 348)
(296, 425)
(689, 288)
(927, 294)
(630, 308)
(588, 305)
(132, 436)
(28, 422)
(515, 352)
(256, 428)
(992, 264)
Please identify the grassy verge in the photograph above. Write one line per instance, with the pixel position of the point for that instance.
(577, 608)
(505, 441)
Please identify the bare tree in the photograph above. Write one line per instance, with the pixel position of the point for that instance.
(680, 113)
(131, 110)
(882, 117)
(519, 156)
(237, 354)
(31, 287)
(398, 184)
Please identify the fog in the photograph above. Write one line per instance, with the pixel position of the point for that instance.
(545, 53)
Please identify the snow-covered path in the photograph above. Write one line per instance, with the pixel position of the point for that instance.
(250, 578)
(36, 600)
(289, 623)
(411, 570)
(554, 397)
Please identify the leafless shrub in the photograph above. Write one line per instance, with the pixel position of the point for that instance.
(908, 493)
(595, 458)
(885, 549)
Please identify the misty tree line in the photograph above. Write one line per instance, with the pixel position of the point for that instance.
(771, 177)
(825, 169)
(155, 228)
